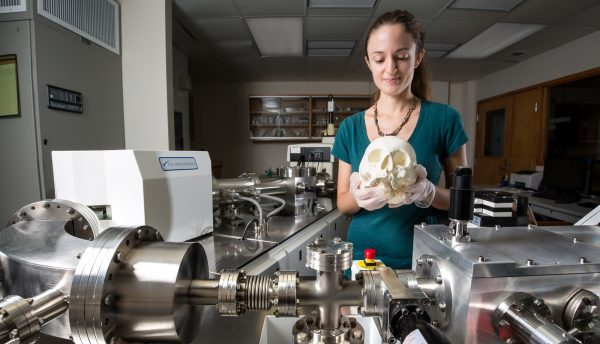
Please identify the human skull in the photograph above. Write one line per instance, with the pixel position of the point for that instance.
(389, 160)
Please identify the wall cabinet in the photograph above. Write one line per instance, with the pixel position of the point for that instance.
(298, 118)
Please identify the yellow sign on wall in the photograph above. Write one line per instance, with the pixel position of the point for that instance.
(9, 87)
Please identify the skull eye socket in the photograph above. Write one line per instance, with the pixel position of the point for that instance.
(375, 156)
(400, 158)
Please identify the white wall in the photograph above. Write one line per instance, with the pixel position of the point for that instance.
(221, 119)
(146, 37)
(574, 57)
(462, 97)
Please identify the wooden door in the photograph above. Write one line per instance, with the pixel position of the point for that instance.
(493, 140)
(528, 134)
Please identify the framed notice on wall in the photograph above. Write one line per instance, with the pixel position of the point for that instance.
(9, 86)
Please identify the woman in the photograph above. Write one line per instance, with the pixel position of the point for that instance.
(394, 54)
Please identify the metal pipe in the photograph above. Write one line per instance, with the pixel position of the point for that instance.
(329, 292)
(533, 328)
(428, 286)
(200, 292)
(49, 305)
(239, 183)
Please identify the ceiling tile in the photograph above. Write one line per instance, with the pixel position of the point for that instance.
(420, 8)
(204, 8)
(221, 29)
(338, 12)
(452, 13)
(236, 48)
(186, 43)
(332, 28)
(547, 12)
(553, 36)
(267, 8)
(589, 17)
(435, 54)
(491, 5)
(454, 31)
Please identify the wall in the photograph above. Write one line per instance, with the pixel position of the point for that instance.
(574, 57)
(181, 96)
(147, 74)
(221, 119)
(61, 59)
(19, 182)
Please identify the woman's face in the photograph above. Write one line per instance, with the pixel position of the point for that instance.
(392, 58)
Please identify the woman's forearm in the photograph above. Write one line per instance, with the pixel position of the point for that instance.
(347, 204)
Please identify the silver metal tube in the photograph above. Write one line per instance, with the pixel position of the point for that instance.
(239, 183)
(532, 328)
(267, 185)
(428, 286)
(200, 292)
(49, 305)
(329, 292)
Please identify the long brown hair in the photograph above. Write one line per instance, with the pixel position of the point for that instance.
(420, 82)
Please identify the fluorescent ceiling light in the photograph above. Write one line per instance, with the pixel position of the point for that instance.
(494, 39)
(277, 36)
(488, 5)
(341, 3)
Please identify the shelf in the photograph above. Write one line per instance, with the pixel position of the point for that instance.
(280, 126)
(275, 138)
(283, 112)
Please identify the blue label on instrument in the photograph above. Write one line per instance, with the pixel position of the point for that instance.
(177, 163)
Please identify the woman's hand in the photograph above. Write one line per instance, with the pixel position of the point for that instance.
(421, 193)
(368, 198)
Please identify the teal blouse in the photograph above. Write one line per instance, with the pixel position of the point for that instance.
(438, 134)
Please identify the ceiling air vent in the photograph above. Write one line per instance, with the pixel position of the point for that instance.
(10, 6)
(95, 20)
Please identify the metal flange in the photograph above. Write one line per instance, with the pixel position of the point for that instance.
(91, 314)
(329, 255)
(83, 224)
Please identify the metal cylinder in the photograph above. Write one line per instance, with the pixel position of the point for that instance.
(324, 255)
(40, 249)
(128, 286)
(287, 289)
(461, 195)
(524, 317)
(265, 185)
(21, 319)
(49, 305)
(200, 292)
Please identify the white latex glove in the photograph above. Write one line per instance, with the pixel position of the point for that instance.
(368, 198)
(421, 193)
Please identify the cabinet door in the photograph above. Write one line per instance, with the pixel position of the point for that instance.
(528, 136)
(493, 140)
(279, 118)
